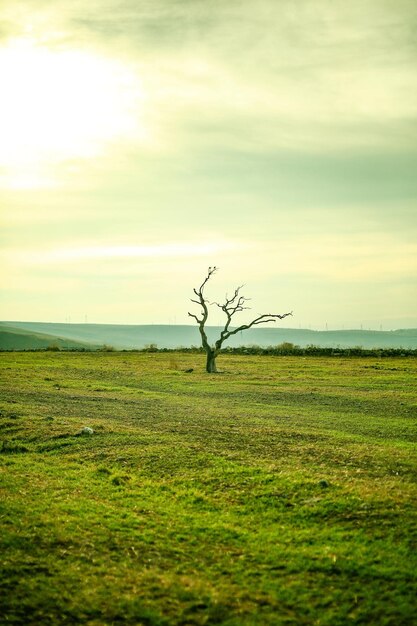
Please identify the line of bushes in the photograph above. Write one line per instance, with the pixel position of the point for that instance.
(283, 349)
(290, 349)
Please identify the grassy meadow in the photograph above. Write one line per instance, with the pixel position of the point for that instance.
(282, 491)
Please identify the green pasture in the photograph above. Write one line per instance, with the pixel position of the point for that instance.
(281, 491)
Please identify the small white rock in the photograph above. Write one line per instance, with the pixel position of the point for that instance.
(86, 430)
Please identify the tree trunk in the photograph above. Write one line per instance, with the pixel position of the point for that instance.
(211, 362)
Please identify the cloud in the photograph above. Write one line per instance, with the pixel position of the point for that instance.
(310, 76)
(110, 252)
(285, 129)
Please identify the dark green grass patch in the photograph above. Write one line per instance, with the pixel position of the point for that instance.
(281, 492)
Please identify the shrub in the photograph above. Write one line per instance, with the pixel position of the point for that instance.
(150, 347)
(53, 347)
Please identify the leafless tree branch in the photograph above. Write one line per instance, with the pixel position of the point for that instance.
(232, 305)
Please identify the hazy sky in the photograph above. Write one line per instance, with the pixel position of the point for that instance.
(143, 140)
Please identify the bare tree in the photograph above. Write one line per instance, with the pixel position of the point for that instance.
(231, 306)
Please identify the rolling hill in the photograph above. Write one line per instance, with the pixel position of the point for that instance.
(38, 335)
(20, 339)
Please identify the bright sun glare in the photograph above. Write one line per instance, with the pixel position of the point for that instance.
(61, 105)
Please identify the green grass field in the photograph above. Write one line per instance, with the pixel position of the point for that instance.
(282, 491)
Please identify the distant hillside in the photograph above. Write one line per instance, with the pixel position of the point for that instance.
(19, 339)
(135, 337)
